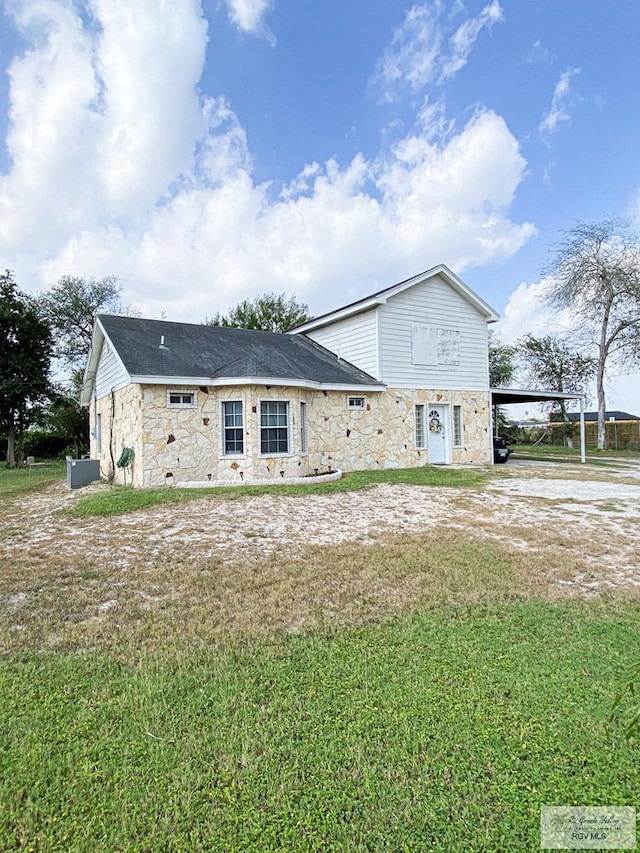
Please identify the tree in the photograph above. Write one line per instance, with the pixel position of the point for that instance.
(63, 417)
(501, 372)
(595, 275)
(268, 312)
(502, 365)
(550, 364)
(71, 306)
(25, 357)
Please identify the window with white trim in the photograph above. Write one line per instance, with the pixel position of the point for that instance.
(355, 402)
(274, 427)
(303, 427)
(420, 430)
(232, 428)
(181, 399)
(457, 426)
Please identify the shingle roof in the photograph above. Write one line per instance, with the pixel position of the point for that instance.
(217, 352)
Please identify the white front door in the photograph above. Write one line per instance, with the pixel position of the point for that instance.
(438, 435)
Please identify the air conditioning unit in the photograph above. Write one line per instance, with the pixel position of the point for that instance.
(81, 472)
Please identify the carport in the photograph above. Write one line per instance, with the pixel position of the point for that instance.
(507, 396)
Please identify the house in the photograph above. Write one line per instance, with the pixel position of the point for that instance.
(394, 380)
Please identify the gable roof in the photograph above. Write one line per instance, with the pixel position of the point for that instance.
(161, 352)
(382, 296)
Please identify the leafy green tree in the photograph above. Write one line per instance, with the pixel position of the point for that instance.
(502, 364)
(502, 368)
(25, 357)
(268, 312)
(63, 416)
(552, 365)
(595, 275)
(70, 306)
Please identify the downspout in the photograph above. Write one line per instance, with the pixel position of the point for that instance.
(112, 473)
(583, 455)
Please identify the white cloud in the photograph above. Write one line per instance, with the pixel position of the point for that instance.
(422, 53)
(561, 102)
(526, 314)
(412, 58)
(100, 121)
(147, 179)
(249, 17)
(539, 54)
(463, 40)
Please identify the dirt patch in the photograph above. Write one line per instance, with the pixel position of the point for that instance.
(588, 512)
(562, 536)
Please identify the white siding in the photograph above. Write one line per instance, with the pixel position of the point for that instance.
(433, 323)
(110, 373)
(354, 339)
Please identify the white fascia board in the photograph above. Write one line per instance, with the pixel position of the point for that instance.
(177, 381)
(471, 296)
(98, 340)
(381, 298)
(89, 378)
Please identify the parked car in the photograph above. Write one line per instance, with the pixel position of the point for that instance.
(501, 450)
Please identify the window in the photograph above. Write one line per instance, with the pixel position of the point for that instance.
(457, 426)
(355, 402)
(232, 428)
(274, 427)
(303, 427)
(420, 441)
(438, 347)
(181, 399)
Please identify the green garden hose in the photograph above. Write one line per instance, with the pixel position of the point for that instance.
(126, 457)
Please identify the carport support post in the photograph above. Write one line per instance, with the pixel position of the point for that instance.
(583, 455)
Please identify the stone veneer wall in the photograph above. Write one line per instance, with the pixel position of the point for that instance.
(383, 434)
(174, 445)
(122, 430)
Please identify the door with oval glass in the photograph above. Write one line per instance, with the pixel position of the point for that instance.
(438, 435)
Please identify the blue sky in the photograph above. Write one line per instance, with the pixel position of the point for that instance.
(207, 152)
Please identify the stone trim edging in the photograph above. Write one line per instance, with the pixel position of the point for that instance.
(272, 481)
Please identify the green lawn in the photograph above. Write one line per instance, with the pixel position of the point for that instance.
(422, 693)
(14, 481)
(447, 731)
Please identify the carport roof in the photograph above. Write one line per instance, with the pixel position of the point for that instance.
(504, 396)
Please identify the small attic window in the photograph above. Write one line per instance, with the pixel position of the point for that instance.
(181, 399)
(355, 402)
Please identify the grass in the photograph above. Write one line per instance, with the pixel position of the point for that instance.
(428, 691)
(16, 481)
(552, 453)
(118, 499)
(445, 731)
(58, 602)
